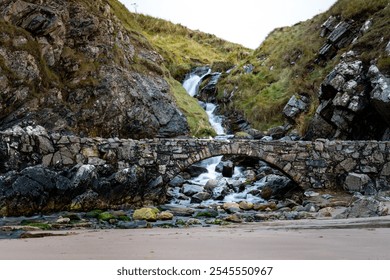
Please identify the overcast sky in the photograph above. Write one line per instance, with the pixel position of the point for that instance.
(247, 22)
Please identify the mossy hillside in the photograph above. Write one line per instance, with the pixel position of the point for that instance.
(285, 63)
(280, 70)
(181, 47)
(196, 117)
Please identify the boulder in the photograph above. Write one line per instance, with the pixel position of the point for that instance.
(295, 106)
(190, 190)
(165, 216)
(245, 205)
(177, 182)
(276, 186)
(195, 170)
(355, 182)
(234, 218)
(228, 169)
(211, 185)
(365, 207)
(147, 214)
(177, 210)
(380, 95)
(199, 197)
(231, 207)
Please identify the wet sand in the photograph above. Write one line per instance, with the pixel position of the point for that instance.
(351, 239)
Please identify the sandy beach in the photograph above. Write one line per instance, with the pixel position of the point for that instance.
(298, 240)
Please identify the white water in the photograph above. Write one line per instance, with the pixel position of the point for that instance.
(191, 85)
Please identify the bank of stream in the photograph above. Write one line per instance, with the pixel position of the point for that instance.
(217, 191)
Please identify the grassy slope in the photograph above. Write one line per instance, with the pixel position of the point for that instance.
(284, 63)
(182, 50)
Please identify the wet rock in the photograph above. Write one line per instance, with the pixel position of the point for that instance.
(220, 192)
(62, 220)
(277, 132)
(242, 135)
(164, 216)
(199, 197)
(195, 170)
(326, 212)
(228, 169)
(231, 207)
(193, 221)
(207, 213)
(365, 207)
(178, 210)
(269, 206)
(245, 205)
(132, 225)
(293, 215)
(190, 190)
(147, 214)
(211, 185)
(295, 106)
(311, 207)
(178, 181)
(357, 182)
(250, 175)
(380, 95)
(268, 216)
(276, 186)
(234, 218)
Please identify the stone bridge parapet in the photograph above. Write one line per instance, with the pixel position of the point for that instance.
(311, 164)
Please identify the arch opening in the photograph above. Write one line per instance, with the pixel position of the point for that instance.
(252, 180)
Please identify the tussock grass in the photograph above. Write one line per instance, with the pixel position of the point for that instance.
(285, 63)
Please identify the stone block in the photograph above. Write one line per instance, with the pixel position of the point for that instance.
(356, 182)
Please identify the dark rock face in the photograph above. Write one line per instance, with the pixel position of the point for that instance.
(276, 186)
(96, 78)
(353, 103)
(295, 106)
(340, 35)
(228, 169)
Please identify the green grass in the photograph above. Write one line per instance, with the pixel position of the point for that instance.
(196, 116)
(285, 63)
(181, 47)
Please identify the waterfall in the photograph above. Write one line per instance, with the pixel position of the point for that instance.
(191, 84)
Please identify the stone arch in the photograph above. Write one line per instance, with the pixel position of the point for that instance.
(236, 148)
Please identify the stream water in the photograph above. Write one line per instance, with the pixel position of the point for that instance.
(225, 189)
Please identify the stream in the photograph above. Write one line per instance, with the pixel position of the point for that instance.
(221, 189)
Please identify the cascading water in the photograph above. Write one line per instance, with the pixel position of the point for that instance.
(191, 85)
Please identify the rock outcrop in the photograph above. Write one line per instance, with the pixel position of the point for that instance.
(73, 67)
(354, 103)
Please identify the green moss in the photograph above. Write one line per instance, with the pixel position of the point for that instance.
(357, 9)
(181, 47)
(285, 63)
(93, 214)
(124, 218)
(196, 116)
(106, 216)
(41, 225)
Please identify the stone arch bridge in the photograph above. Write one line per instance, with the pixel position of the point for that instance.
(311, 164)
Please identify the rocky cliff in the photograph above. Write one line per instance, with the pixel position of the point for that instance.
(72, 67)
(327, 77)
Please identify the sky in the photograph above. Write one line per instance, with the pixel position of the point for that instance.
(246, 22)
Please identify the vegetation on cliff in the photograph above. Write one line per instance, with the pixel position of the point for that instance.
(288, 63)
